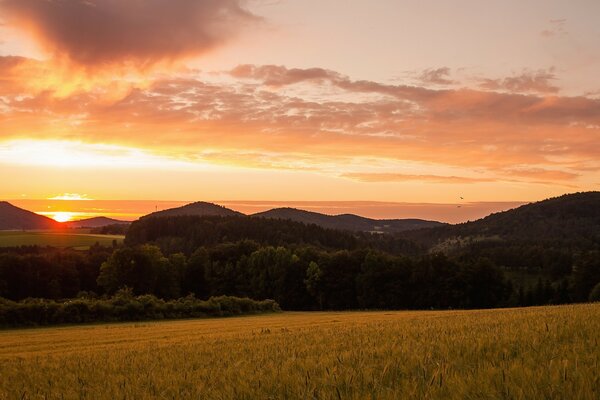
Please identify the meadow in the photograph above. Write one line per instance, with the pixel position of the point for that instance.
(79, 240)
(544, 352)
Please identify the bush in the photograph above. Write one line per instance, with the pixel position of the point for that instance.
(595, 293)
(124, 307)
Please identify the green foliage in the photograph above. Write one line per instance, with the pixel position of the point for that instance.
(187, 233)
(595, 293)
(586, 274)
(144, 269)
(518, 258)
(124, 306)
(572, 218)
(48, 272)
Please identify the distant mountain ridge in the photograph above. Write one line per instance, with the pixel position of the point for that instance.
(348, 222)
(15, 218)
(95, 222)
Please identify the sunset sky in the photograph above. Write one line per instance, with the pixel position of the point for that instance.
(266, 102)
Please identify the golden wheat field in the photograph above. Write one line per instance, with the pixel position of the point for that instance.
(534, 353)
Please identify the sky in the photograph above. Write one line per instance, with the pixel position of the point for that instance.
(473, 103)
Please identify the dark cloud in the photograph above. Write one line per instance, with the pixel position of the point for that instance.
(143, 32)
(528, 82)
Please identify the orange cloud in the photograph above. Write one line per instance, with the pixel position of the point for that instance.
(395, 177)
(274, 117)
(142, 32)
(542, 174)
(437, 76)
(528, 82)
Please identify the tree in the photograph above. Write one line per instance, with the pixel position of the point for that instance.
(595, 293)
(194, 280)
(586, 274)
(138, 268)
(313, 282)
(382, 282)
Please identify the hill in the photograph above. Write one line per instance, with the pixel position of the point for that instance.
(96, 222)
(348, 222)
(571, 217)
(15, 218)
(200, 208)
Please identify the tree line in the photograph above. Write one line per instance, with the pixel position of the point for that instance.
(297, 277)
(123, 306)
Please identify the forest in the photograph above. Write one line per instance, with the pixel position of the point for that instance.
(538, 254)
(303, 267)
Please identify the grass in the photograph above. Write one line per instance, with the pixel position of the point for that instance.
(534, 353)
(79, 241)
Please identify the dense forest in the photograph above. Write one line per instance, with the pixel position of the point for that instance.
(488, 263)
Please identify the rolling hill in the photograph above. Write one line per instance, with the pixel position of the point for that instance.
(15, 218)
(348, 222)
(96, 222)
(573, 217)
(200, 208)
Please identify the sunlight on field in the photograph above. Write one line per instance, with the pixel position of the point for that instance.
(56, 239)
(546, 352)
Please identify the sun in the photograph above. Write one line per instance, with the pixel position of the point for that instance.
(62, 216)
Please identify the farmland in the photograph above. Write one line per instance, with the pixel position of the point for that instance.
(542, 352)
(77, 240)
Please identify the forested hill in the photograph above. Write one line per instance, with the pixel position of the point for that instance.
(343, 222)
(348, 222)
(572, 217)
(188, 232)
(15, 218)
(95, 222)
(199, 208)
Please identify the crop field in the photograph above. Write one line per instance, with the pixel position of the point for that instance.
(533, 353)
(79, 241)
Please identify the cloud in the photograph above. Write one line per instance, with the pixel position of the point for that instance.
(277, 75)
(437, 76)
(542, 174)
(556, 28)
(397, 177)
(528, 82)
(139, 32)
(274, 117)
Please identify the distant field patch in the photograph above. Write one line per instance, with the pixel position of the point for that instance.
(79, 241)
(531, 353)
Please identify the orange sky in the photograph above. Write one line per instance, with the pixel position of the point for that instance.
(397, 102)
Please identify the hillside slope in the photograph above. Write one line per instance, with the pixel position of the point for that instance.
(15, 218)
(96, 222)
(348, 222)
(572, 217)
(200, 208)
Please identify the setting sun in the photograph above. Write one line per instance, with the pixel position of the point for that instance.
(62, 216)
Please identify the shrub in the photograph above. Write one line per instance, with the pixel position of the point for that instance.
(124, 307)
(595, 293)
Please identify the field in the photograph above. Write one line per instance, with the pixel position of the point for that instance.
(80, 241)
(545, 352)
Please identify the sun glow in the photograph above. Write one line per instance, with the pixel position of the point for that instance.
(67, 154)
(70, 196)
(62, 216)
